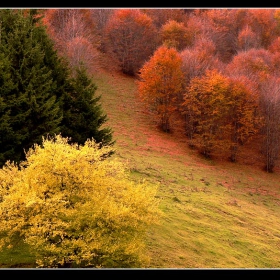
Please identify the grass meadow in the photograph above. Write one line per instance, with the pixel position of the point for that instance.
(217, 214)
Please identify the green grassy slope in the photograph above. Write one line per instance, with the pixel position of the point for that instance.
(217, 214)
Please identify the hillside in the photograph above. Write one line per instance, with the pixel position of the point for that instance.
(217, 214)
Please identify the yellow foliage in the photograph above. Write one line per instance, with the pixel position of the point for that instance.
(73, 205)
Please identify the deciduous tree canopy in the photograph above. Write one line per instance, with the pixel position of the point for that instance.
(75, 208)
(161, 82)
(131, 37)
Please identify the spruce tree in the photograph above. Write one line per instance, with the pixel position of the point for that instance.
(83, 114)
(30, 105)
(7, 138)
(38, 96)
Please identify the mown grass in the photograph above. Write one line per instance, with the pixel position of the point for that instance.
(216, 214)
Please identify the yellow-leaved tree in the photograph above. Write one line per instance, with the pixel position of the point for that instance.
(76, 207)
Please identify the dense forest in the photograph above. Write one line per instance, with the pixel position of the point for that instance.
(217, 70)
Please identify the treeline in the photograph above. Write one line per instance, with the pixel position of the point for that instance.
(40, 94)
(226, 75)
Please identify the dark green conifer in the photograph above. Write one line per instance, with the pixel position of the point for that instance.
(30, 104)
(38, 97)
(83, 114)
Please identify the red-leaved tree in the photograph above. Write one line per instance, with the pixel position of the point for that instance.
(131, 38)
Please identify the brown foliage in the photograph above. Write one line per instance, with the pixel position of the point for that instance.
(175, 34)
(270, 109)
(255, 64)
(264, 25)
(247, 39)
(162, 16)
(223, 27)
(220, 113)
(199, 58)
(73, 32)
(130, 38)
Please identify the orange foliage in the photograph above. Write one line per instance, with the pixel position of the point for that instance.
(275, 45)
(161, 81)
(263, 22)
(175, 34)
(243, 119)
(162, 16)
(205, 108)
(220, 113)
(247, 39)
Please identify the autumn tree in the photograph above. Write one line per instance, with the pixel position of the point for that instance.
(195, 28)
(75, 35)
(244, 119)
(223, 27)
(220, 114)
(270, 109)
(75, 208)
(247, 39)
(161, 16)
(253, 64)
(131, 38)
(264, 24)
(275, 45)
(199, 58)
(175, 34)
(205, 107)
(261, 67)
(100, 18)
(160, 84)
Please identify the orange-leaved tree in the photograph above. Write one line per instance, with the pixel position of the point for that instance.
(175, 34)
(243, 120)
(205, 106)
(221, 113)
(160, 84)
